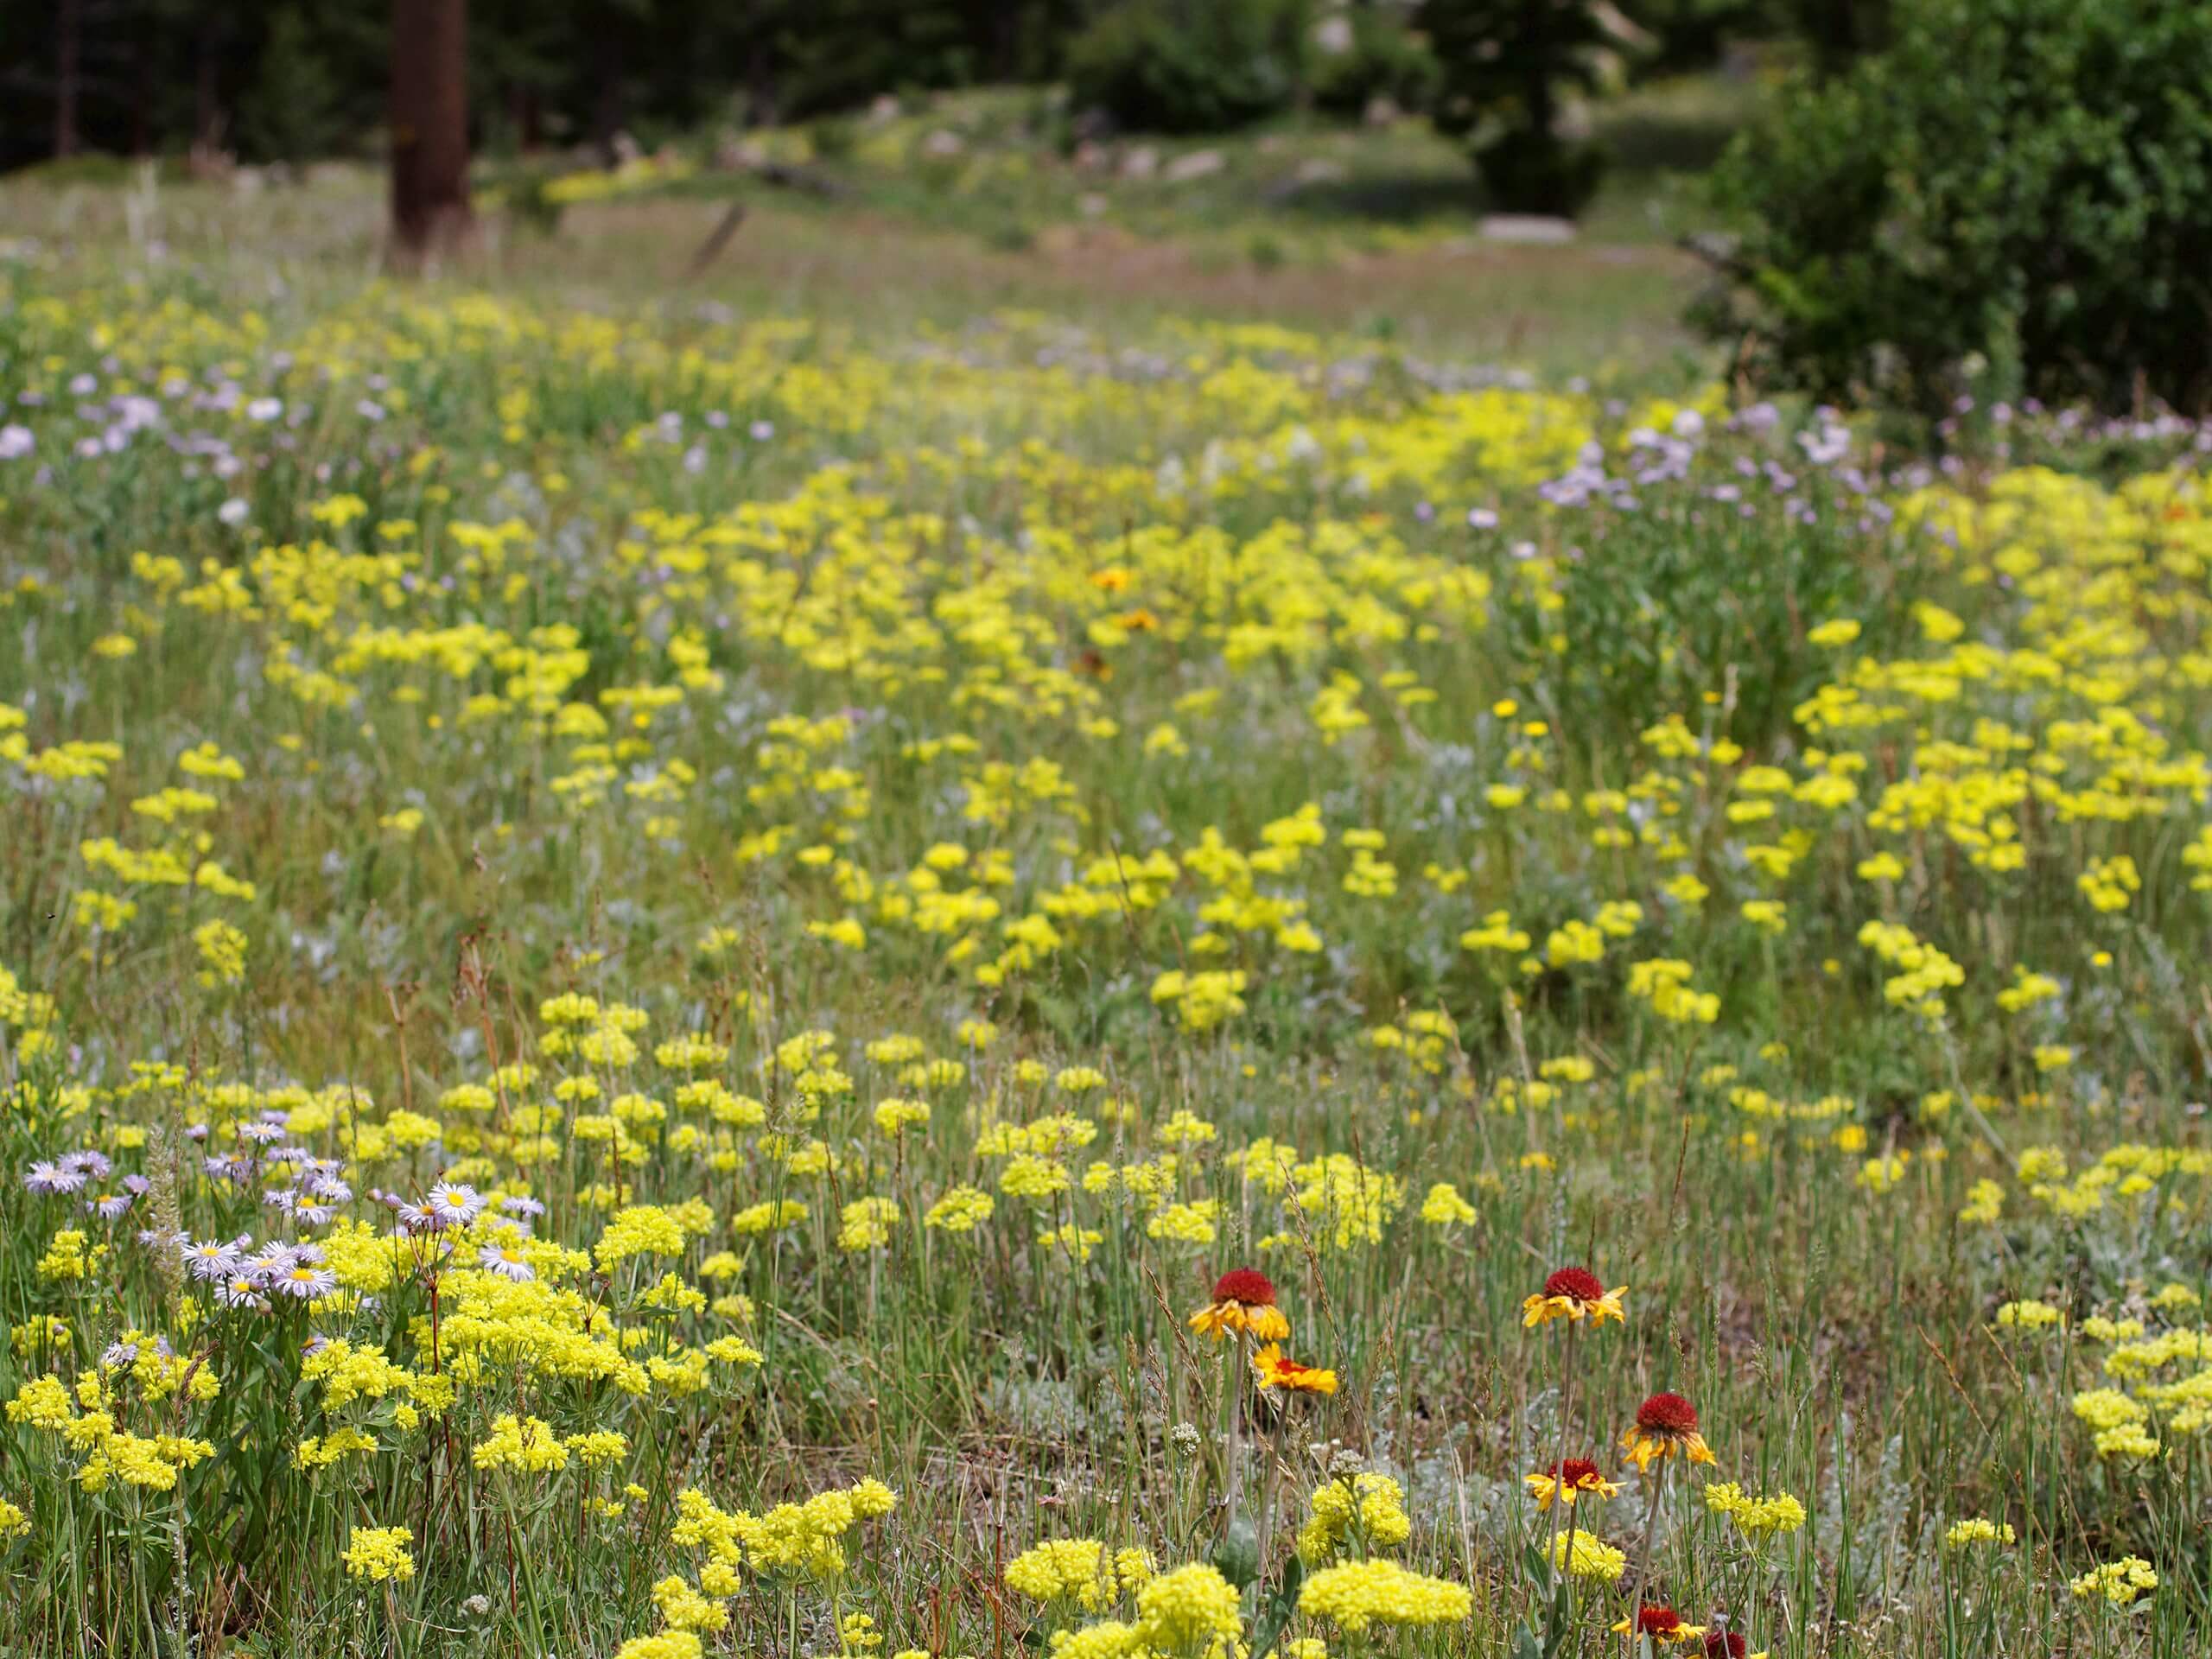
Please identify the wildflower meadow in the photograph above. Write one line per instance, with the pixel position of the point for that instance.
(680, 980)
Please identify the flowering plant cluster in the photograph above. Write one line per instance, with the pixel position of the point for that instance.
(675, 985)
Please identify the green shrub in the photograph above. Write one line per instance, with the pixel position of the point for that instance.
(1507, 68)
(1385, 59)
(2016, 199)
(1191, 65)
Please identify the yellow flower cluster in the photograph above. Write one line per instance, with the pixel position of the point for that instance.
(1363, 1513)
(379, 1553)
(1081, 1570)
(1358, 1594)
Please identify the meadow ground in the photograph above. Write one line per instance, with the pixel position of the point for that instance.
(659, 931)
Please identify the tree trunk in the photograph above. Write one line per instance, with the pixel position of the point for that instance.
(69, 33)
(430, 126)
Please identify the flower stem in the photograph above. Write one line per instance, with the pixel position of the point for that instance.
(1235, 1478)
(1559, 1467)
(1643, 1553)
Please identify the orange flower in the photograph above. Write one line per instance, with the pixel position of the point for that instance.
(1277, 1372)
(1574, 1294)
(1569, 1481)
(1661, 1624)
(1242, 1301)
(1666, 1425)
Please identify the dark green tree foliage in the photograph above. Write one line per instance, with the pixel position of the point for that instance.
(298, 106)
(2016, 198)
(1386, 60)
(1191, 65)
(1507, 67)
(287, 80)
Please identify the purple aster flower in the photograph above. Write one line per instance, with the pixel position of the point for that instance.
(270, 1260)
(306, 1282)
(212, 1259)
(454, 1204)
(109, 1206)
(46, 1176)
(505, 1260)
(239, 1291)
(88, 1162)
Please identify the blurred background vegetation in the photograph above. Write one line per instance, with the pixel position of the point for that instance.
(1916, 204)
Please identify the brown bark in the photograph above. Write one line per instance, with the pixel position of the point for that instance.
(430, 126)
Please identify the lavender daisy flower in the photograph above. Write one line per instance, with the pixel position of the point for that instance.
(213, 1259)
(270, 1261)
(330, 1189)
(311, 1214)
(88, 1162)
(136, 1185)
(260, 1132)
(454, 1204)
(516, 1204)
(505, 1260)
(108, 1206)
(305, 1280)
(46, 1176)
(238, 1291)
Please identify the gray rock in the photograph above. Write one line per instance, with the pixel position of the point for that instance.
(1534, 229)
(1199, 164)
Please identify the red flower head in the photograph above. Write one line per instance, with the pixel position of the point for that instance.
(1574, 1294)
(1244, 1300)
(1245, 1285)
(1661, 1625)
(1577, 1284)
(1666, 1426)
(1669, 1414)
(1724, 1644)
(1567, 1480)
